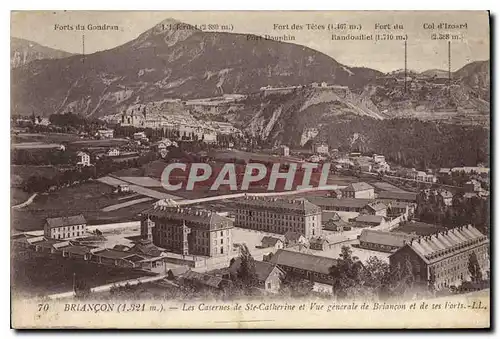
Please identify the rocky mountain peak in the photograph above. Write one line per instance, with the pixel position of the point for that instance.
(168, 31)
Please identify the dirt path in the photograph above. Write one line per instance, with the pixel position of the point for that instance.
(27, 202)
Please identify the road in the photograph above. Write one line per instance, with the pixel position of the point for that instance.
(107, 287)
(27, 202)
(125, 204)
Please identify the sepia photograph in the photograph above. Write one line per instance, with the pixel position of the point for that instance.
(250, 169)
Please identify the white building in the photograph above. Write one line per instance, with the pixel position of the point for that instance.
(279, 216)
(425, 177)
(83, 159)
(139, 136)
(105, 133)
(65, 227)
(320, 148)
(113, 152)
(284, 151)
(377, 158)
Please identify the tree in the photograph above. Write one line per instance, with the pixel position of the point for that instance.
(347, 275)
(295, 287)
(247, 276)
(377, 273)
(474, 268)
(401, 282)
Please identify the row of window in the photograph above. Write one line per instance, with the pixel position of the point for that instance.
(67, 235)
(68, 228)
(266, 214)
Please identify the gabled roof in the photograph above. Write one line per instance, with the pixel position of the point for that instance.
(329, 215)
(262, 268)
(334, 225)
(205, 279)
(147, 248)
(303, 261)
(301, 205)
(122, 248)
(115, 254)
(196, 218)
(336, 203)
(385, 238)
(419, 228)
(292, 236)
(377, 206)
(269, 241)
(65, 221)
(319, 241)
(398, 204)
(441, 245)
(76, 249)
(368, 218)
(358, 186)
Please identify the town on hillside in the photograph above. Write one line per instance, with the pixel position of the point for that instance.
(88, 195)
(196, 167)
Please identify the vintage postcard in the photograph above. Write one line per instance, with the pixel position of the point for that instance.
(264, 169)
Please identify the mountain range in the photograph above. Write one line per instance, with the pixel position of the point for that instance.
(24, 51)
(189, 63)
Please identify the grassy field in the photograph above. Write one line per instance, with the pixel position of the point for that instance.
(18, 196)
(19, 173)
(39, 276)
(88, 199)
(99, 143)
(44, 137)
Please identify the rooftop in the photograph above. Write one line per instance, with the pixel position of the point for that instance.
(419, 228)
(262, 268)
(297, 205)
(65, 221)
(115, 254)
(303, 261)
(76, 249)
(318, 241)
(385, 238)
(358, 186)
(205, 279)
(293, 236)
(435, 247)
(270, 241)
(368, 218)
(344, 202)
(377, 206)
(197, 218)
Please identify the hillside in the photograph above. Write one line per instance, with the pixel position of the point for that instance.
(171, 63)
(411, 142)
(23, 52)
(285, 117)
(476, 75)
(431, 95)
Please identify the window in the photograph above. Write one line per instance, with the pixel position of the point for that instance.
(268, 285)
(222, 250)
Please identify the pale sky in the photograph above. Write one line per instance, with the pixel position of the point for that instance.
(423, 52)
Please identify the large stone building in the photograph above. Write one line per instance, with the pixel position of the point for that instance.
(279, 216)
(443, 258)
(70, 227)
(188, 231)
